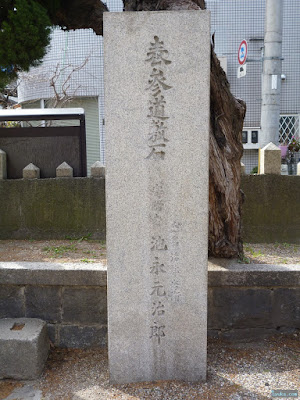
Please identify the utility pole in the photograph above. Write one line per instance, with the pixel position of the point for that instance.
(271, 76)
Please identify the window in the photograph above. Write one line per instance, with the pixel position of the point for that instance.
(288, 128)
(254, 136)
(245, 137)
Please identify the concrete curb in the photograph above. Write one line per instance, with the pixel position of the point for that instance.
(244, 300)
(220, 273)
(45, 273)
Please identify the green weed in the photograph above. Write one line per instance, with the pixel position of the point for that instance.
(59, 250)
(79, 239)
(256, 253)
(286, 245)
(252, 251)
(244, 260)
(283, 261)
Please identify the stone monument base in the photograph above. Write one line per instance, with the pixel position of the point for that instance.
(24, 348)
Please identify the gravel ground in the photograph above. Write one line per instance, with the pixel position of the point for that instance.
(236, 371)
(91, 251)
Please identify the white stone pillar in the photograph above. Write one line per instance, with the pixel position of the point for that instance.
(270, 160)
(157, 71)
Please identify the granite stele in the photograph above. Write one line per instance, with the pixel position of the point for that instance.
(157, 68)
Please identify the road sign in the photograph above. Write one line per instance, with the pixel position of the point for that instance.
(241, 71)
(242, 53)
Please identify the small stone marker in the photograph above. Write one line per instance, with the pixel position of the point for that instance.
(24, 348)
(98, 170)
(243, 169)
(64, 171)
(298, 168)
(3, 170)
(157, 69)
(31, 172)
(270, 159)
(284, 169)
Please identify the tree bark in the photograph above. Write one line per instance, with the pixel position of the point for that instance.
(226, 149)
(226, 123)
(80, 14)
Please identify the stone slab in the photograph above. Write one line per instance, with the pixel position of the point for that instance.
(157, 68)
(84, 305)
(11, 301)
(53, 274)
(221, 272)
(43, 302)
(246, 308)
(82, 336)
(26, 392)
(24, 348)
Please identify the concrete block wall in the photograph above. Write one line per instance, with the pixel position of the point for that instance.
(271, 210)
(244, 300)
(56, 208)
(72, 302)
(248, 300)
(52, 208)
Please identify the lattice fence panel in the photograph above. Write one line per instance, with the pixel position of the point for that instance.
(289, 128)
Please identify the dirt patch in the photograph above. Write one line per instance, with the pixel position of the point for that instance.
(79, 250)
(272, 253)
(90, 251)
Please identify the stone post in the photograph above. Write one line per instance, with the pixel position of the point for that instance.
(157, 70)
(64, 171)
(98, 170)
(3, 168)
(243, 169)
(31, 172)
(270, 160)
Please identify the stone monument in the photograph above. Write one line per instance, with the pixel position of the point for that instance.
(157, 69)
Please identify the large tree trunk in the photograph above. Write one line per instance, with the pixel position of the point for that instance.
(226, 149)
(226, 122)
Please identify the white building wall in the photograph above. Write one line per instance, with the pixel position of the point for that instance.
(78, 50)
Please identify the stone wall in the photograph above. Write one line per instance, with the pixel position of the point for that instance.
(70, 298)
(56, 208)
(244, 301)
(52, 208)
(271, 211)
